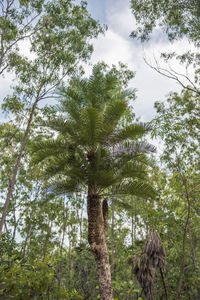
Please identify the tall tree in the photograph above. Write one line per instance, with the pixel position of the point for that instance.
(179, 127)
(57, 46)
(81, 154)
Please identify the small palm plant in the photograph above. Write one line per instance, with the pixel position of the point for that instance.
(93, 150)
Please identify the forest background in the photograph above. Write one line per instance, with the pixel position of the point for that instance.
(44, 249)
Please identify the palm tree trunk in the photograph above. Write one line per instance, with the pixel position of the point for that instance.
(97, 227)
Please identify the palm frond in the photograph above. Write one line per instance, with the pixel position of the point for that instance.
(123, 203)
(91, 126)
(46, 148)
(64, 186)
(72, 109)
(103, 178)
(62, 126)
(132, 170)
(114, 112)
(133, 148)
(76, 91)
(136, 188)
(130, 132)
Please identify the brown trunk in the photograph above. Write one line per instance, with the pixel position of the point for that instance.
(97, 227)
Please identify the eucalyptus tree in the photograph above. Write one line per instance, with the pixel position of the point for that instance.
(178, 125)
(92, 150)
(57, 44)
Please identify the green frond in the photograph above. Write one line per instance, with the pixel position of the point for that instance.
(58, 164)
(132, 170)
(91, 126)
(136, 188)
(114, 112)
(130, 132)
(135, 159)
(100, 85)
(66, 186)
(56, 124)
(103, 178)
(133, 149)
(75, 92)
(62, 126)
(72, 108)
(47, 148)
(123, 204)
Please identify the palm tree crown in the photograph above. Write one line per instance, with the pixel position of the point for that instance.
(91, 147)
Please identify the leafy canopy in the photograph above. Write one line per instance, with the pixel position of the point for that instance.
(177, 18)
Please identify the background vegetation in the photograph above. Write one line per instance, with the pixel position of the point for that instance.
(44, 252)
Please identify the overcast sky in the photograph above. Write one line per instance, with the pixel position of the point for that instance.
(117, 46)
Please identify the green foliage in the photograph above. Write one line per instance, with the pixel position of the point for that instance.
(179, 126)
(55, 41)
(33, 280)
(176, 18)
(124, 289)
(84, 279)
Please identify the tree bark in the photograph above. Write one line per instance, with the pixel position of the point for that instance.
(16, 168)
(97, 219)
(112, 239)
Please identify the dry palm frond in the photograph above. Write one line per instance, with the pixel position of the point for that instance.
(153, 257)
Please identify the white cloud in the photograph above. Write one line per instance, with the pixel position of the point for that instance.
(120, 17)
(117, 46)
(111, 48)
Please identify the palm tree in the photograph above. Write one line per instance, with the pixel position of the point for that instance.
(93, 150)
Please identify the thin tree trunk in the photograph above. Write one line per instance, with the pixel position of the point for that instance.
(97, 239)
(112, 239)
(69, 262)
(134, 297)
(182, 267)
(133, 238)
(30, 228)
(61, 246)
(49, 230)
(15, 223)
(164, 283)
(193, 250)
(81, 221)
(16, 168)
(27, 240)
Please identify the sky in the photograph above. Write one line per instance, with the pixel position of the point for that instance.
(116, 45)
